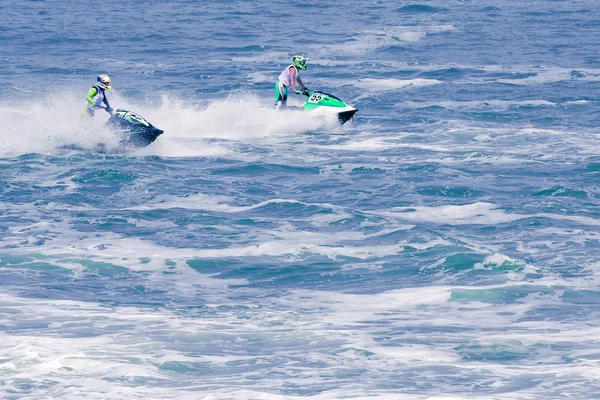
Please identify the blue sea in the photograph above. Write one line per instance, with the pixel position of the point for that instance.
(444, 245)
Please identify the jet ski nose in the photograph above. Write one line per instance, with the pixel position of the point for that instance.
(345, 116)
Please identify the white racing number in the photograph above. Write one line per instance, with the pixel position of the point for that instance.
(315, 98)
(137, 118)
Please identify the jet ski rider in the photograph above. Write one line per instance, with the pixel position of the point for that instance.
(288, 78)
(96, 96)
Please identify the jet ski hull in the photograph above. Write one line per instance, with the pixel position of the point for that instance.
(346, 115)
(133, 129)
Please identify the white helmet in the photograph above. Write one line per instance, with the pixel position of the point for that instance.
(104, 82)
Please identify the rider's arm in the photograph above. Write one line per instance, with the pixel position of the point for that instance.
(293, 79)
(300, 82)
(90, 96)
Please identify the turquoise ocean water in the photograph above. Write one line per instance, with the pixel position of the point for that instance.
(444, 245)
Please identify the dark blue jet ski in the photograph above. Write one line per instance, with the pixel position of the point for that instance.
(134, 130)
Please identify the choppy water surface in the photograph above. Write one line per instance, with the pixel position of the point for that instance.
(444, 245)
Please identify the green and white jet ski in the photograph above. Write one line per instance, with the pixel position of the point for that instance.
(322, 103)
